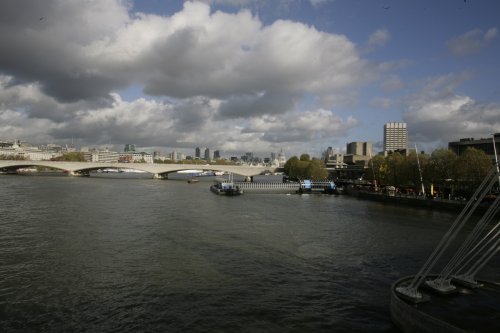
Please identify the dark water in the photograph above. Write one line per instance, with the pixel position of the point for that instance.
(129, 255)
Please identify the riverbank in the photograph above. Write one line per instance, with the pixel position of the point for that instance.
(435, 204)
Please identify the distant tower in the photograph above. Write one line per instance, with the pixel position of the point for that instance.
(327, 154)
(129, 148)
(207, 154)
(281, 158)
(395, 137)
(216, 155)
(197, 153)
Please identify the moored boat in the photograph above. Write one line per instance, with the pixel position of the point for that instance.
(25, 171)
(226, 188)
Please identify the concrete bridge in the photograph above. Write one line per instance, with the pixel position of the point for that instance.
(157, 170)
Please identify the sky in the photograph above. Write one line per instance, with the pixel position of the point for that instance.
(248, 75)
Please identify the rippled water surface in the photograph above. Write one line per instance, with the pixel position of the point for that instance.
(129, 255)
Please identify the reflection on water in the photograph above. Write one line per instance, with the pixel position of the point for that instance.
(89, 254)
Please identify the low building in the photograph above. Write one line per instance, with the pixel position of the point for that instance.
(15, 150)
(101, 156)
(485, 144)
(135, 157)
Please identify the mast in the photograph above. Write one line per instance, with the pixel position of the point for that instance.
(496, 157)
(420, 171)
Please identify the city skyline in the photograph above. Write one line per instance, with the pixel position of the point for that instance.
(248, 75)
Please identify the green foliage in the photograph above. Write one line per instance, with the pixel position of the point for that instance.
(305, 157)
(441, 168)
(305, 168)
(316, 170)
(472, 165)
(71, 157)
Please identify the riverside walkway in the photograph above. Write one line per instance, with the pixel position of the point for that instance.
(157, 170)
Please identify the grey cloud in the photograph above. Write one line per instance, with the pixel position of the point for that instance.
(258, 104)
(471, 42)
(44, 41)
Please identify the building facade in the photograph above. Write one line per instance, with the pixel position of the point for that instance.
(485, 144)
(395, 137)
(359, 148)
(101, 156)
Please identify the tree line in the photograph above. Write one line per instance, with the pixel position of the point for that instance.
(442, 169)
(305, 168)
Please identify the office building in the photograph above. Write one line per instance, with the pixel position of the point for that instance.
(484, 144)
(395, 137)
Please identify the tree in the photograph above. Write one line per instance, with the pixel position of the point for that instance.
(305, 168)
(305, 157)
(291, 166)
(376, 171)
(416, 165)
(472, 166)
(441, 166)
(71, 157)
(316, 170)
(395, 169)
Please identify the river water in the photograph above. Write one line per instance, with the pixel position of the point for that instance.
(129, 255)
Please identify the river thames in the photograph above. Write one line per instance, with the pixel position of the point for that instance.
(143, 255)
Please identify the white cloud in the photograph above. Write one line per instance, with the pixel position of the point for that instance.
(378, 38)
(319, 3)
(439, 113)
(471, 42)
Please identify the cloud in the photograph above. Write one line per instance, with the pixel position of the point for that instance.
(378, 38)
(184, 123)
(219, 79)
(193, 52)
(471, 42)
(392, 83)
(300, 126)
(438, 113)
(319, 3)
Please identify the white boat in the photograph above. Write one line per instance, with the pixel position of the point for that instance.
(26, 170)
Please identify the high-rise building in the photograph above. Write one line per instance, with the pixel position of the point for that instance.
(216, 155)
(207, 154)
(197, 152)
(129, 148)
(395, 137)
